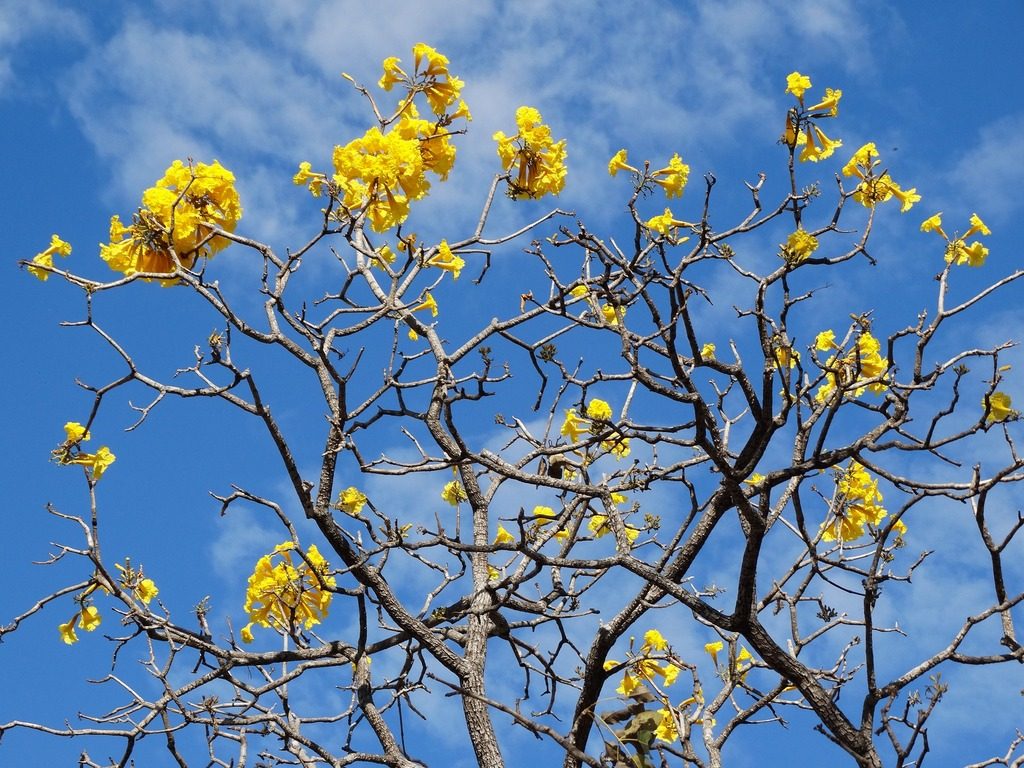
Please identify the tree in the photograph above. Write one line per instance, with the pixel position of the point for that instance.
(679, 530)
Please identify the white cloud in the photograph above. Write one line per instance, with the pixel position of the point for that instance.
(987, 170)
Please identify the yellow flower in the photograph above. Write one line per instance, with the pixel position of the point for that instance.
(784, 355)
(246, 633)
(579, 292)
(67, 631)
(818, 145)
(76, 432)
(853, 371)
(654, 641)
(977, 227)
(599, 409)
(536, 162)
(454, 493)
(612, 314)
(934, 224)
(393, 73)
(45, 258)
(503, 536)
(291, 592)
(546, 515)
(714, 649)
(825, 341)
(462, 111)
(668, 225)
(863, 160)
(314, 181)
(998, 407)
(176, 221)
(858, 503)
(598, 525)
(797, 84)
(828, 105)
(707, 352)
(427, 303)
(351, 501)
(674, 176)
(446, 260)
(798, 246)
(618, 163)
(146, 590)
(667, 730)
(628, 685)
(573, 426)
(90, 618)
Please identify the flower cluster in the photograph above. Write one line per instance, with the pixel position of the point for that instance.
(133, 581)
(957, 250)
(177, 221)
(599, 415)
(430, 77)
(382, 171)
(858, 503)
(858, 370)
(876, 188)
(801, 126)
(42, 262)
(288, 593)
(70, 451)
(535, 162)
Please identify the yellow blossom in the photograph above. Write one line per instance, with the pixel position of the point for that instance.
(574, 426)
(535, 161)
(45, 258)
(707, 352)
(668, 729)
(934, 224)
(654, 641)
(286, 591)
(817, 146)
(67, 631)
(714, 649)
(428, 303)
(176, 221)
(825, 341)
(977, 227)
(306, 175)
(799, 246)
(828, 105)
(90, 618)
(998, 407)
(668, 225)
(503, 536)
(599, 409)
(351, 501)
(598, 525)
(797, 84)
(857, 504)
(618, 163)
(76, 432)
(612, 314)
(545, 515)
(673, 177)
(856, 371)
(446, 260)
(454, 493)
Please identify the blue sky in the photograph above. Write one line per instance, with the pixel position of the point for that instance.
(96, 100)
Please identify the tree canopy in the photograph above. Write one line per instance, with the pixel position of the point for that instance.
(638, 496)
